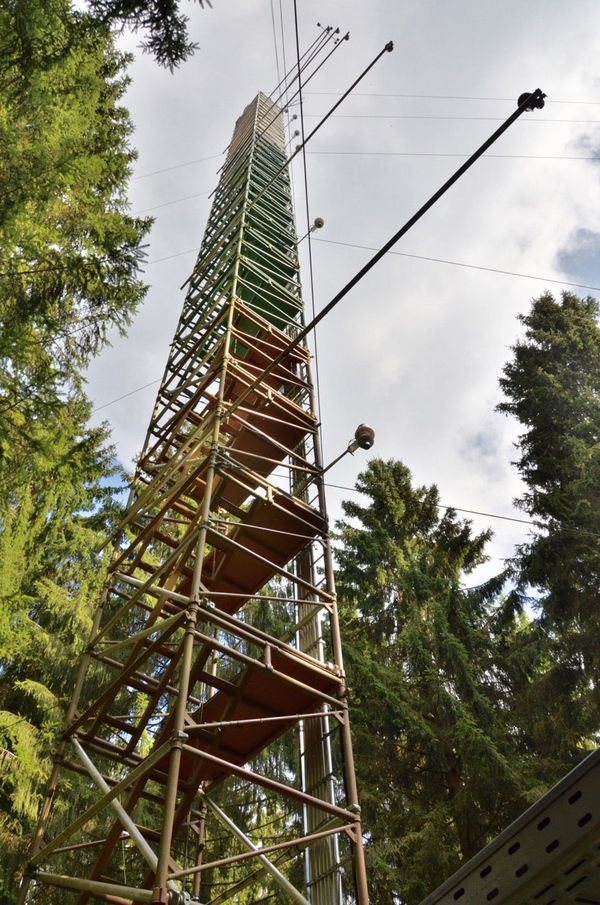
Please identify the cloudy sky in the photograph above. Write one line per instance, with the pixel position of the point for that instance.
(417, 348)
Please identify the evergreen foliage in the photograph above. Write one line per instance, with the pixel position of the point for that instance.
(552, 386)
(49, 579)
(162, 21)
(69, 260)
(438, 769)
(69, 251)
(452, 689)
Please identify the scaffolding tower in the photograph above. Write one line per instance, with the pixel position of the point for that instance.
(212, 690)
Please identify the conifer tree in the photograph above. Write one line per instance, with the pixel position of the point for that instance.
(552, 387)
(69, 259)
(69, 250)
(163, 24)
(50, 525)
(438, 769)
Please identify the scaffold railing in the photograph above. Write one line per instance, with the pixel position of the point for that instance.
(207, 743)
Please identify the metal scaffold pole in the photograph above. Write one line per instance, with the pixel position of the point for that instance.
(207, 746)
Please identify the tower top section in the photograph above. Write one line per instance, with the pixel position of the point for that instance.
(265, 116)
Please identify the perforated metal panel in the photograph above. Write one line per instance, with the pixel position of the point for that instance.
(548, 856)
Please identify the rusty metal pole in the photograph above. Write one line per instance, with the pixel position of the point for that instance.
(201, 830)
(38, 840)
(360, 870)
(161, 892)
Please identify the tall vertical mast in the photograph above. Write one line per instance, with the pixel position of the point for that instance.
(217, 638)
